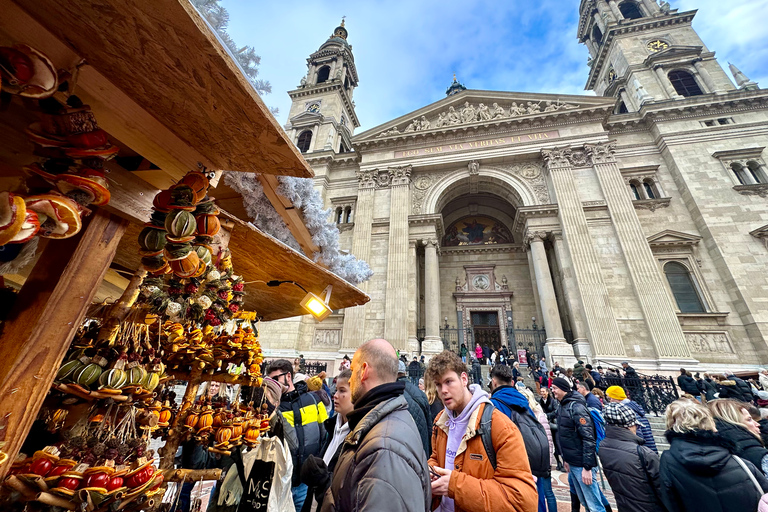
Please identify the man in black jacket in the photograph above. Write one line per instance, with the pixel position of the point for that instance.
(631, 468)
(576, 435)
(744, 390)
(418, 407)
(307, 415)
(688, 384)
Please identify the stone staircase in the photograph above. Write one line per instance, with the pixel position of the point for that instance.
(659, 427)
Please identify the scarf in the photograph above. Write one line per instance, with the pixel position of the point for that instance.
(457, 428)
(371, 399)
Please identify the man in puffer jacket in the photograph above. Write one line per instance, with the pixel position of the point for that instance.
(631, 468)
(688, 384)
(617, 394)
(381, 465)
(744, 390)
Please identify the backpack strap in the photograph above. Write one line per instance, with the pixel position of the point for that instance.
(486, 421)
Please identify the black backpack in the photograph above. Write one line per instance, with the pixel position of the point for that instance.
(534, 437)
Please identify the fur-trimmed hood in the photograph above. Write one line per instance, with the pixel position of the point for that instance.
(727, 383)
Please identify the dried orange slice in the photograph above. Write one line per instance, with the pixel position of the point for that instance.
(12, 215)
(62, 215)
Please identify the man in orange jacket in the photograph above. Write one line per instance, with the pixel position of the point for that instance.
(464, 477)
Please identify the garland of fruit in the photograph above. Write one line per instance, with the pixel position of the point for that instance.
(69, 177)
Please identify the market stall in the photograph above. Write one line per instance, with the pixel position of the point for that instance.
(116, 118)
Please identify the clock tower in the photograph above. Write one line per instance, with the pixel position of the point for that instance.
(322, 116)
(643, 52)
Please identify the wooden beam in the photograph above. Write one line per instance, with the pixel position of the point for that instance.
(290, 214)
(131, 196)
(42, 323)
(170, 63)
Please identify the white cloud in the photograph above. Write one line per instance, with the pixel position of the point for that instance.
(406, 52)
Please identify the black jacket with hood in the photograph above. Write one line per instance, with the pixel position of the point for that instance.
(576, 432)
(699, 474)
(688, 385)
(632, 470)
(746, 444)
(744, 389)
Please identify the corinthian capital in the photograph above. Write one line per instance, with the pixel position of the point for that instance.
(367, 179)
(602, 152)
(535, 236)
(400, 175)
(557, 157)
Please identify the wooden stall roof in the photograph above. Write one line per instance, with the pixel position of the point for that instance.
(259, 257)
(165, 58)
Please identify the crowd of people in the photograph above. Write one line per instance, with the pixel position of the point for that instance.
(444, 443)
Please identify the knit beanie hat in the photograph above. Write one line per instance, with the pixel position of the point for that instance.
(315, 383)
(562, 384)
(616, 393)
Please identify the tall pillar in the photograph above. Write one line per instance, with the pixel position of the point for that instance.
(665, 83)
(413, 297)
(353, 333)
(701, 70)
(545, 286)
(396, 319)
(602, 328)
(570, 294)
(658, 310)
(432, 342)
(615, 10)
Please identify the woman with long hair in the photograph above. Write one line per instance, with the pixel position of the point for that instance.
(698, 472)
(435, 404)
(733, 422)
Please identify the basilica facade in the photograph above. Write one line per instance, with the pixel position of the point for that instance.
(631, 224)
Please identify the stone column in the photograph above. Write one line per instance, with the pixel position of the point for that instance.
(396, 320)
(651, 7)
(665, 83)
(549, 309)
(705, 76)
(432, 342)
(602, 328)
(413, 297)
(657, 306)
(615, 10)
(570, 293)
(536, 298)
(605, 13)
(353, 334)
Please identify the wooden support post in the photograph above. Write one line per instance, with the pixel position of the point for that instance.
(47, 313)
(118, 312)
(175, 434)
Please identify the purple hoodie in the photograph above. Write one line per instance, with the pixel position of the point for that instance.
(457, 427)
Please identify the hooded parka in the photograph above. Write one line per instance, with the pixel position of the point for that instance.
(699, 474)
(634, 480)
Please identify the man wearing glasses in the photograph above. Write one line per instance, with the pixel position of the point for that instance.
(306, 414)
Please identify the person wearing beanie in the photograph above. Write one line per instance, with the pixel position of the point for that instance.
(631, 468)
(617, 394)
(576, 436)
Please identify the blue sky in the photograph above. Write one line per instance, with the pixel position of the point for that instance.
(407, 51)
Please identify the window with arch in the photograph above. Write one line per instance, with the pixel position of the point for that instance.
(684, 83)
(323, 74)
(633, 186)
(621, 108)
(741, 173)
(650, 189)
(683, 288)
(304, 141)
(630, 10)
(757, 172)
(597, 34)
(348, 214)
(644, 188)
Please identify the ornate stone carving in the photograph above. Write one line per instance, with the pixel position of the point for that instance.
(367, 179)
(760, 189)
(474, 168)
(469, 113)
(602, 152)
(531, 173)
(383, 179)
(400, 175)
(557, 157)
(422, 184)
(535, 236)
(326, 338)
(709, 342)
(481, 282)
(651, 204)
(579, 158)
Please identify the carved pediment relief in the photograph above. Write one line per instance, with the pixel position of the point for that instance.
(672, 238)
(470, 108)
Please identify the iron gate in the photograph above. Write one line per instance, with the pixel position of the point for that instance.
(654, 393)
(531, 340)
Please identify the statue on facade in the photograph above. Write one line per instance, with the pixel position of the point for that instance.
(474, 167)
(424, 124)
(453, 117)
(412, 127)
(468, 113)
(303, 82)
(533, 108)
(550, 107)
(442, 120)
(483, 113)
(515, 111)
(665, 7)
(497, 112)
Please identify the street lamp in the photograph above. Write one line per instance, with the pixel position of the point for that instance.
(533, 319)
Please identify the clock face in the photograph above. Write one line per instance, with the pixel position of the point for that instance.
(314, 107)
(657, 45)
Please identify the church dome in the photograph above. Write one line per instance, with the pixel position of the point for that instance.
(455, 87)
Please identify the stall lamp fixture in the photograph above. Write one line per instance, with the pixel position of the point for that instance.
(316, 306)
